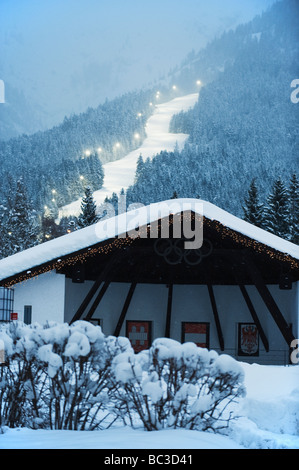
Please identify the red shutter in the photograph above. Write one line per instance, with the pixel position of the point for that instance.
(138, 333)
(196, 333)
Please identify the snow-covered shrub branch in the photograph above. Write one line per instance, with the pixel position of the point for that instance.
(56, 376)
(177, 385)
(62, 376)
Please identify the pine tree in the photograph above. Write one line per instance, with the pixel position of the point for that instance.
(21, 223)
(49, 228)
(253, 209)
(294, 209)
(139, 168)
(277, 210)
(88, 210)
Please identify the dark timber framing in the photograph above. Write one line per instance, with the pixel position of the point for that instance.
(169, 309)
(97, 301)
(255, 317)
(94, 288)
(125, 309)
(216, 317)
(87, 299)
(270, 303)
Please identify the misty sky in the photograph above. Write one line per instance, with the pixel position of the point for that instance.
(66, 55)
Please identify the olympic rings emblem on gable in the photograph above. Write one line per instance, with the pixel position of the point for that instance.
(173, 251)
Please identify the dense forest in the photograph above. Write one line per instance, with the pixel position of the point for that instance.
(244, 124)
(68, 157)
(242, 146)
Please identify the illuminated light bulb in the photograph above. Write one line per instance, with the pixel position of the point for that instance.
(87, 153)
(174, 87)
(45, 207)
(151, 104)
(136, 136)
(53, 200)
(139, 114)
(198, 82)
(99, 149)
(53, 191)
(117, 144)
(81, 177)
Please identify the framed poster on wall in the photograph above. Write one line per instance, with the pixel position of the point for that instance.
(197, 333)
(139, 334)
(248, 339)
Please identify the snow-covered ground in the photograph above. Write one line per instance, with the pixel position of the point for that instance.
(269, 418)
(121, 173)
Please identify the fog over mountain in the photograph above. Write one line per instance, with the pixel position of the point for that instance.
(59, 58)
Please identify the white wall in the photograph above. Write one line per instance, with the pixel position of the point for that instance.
(46, 295)
(55, 298)
(192, 303)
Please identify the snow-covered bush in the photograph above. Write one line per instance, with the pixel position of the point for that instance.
(56, 375)
(177, 385)
(62, 376)
(78, 359)
(21, 377)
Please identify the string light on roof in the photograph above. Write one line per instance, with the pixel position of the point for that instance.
(118, 243)
(198, 82)
(174, 87)
(99, 149)
(81, 177)
(87, 153)
(72, 260)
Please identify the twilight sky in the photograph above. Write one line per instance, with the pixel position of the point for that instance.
(66, 55)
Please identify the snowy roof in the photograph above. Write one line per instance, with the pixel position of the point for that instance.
(111, 228)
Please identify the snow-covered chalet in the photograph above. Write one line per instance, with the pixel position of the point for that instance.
(140, 275)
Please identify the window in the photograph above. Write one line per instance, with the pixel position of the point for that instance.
(139, 333)
(27, 314)
(248, 339)
(6, 303)
(195, 332)
(96, 322)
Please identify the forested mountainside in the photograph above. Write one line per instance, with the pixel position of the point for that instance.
(244, 125)
(68, 157)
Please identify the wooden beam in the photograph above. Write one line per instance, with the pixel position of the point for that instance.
(216, 317)
(125, 309)
(255, 317)
(90, 294)
(269, 301)
(169, 309)
(87, 299)
(97, 300)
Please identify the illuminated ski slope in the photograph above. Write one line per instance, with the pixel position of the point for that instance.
(121, 173)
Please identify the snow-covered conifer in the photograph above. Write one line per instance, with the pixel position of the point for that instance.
(88, 210)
